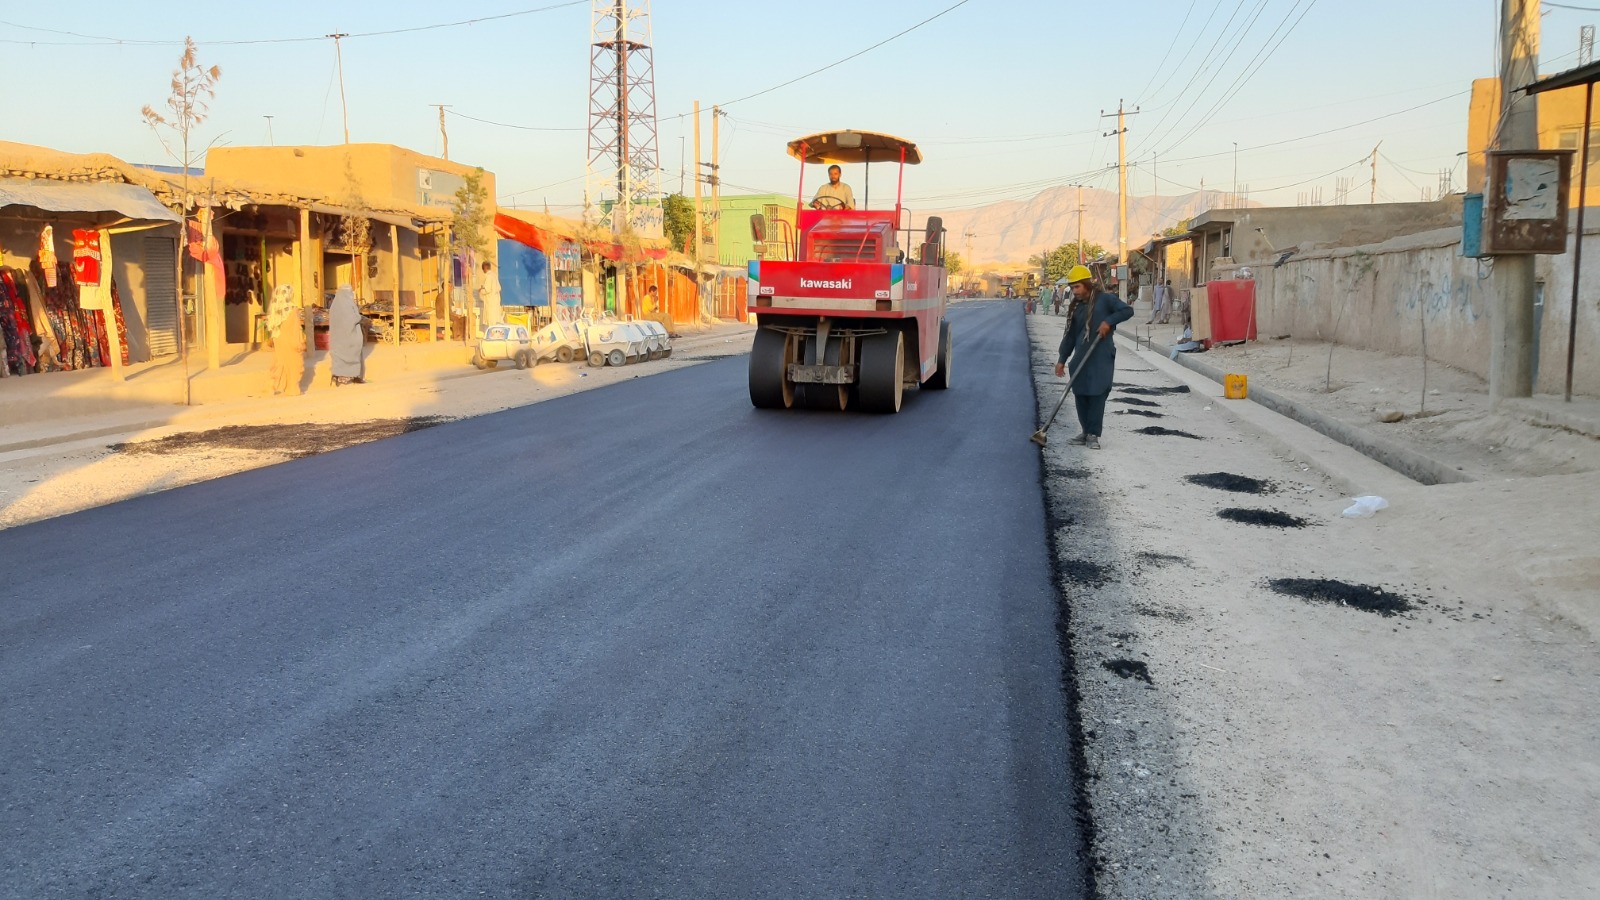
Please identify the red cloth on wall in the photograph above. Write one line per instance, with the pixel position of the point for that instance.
(86, 256)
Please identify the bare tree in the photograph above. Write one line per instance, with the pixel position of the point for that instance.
(188, 105)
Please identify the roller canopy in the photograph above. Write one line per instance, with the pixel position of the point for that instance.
(853, 147)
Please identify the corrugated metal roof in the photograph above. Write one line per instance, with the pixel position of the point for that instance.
(128, 200)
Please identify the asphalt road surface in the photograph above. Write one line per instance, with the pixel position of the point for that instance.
(644, 641)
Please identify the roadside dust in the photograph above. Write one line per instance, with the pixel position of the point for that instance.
(293, 440)
(1327, 590)
(1266, 518)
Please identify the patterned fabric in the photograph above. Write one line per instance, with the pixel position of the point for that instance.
(14, 327)
(76, 330)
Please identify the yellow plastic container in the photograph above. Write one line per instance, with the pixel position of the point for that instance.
(1235, 387)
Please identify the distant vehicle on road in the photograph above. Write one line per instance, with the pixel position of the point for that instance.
(855, 312)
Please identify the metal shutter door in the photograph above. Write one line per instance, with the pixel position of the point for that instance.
(161, 295)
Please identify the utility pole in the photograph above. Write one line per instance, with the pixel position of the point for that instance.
(1122, 186)
(270, 141)
(443, 134)
(1080, 225)
(1511, 316)
(715, 180)
(1375, 173)
(699, 215)
(338, 56)
(1233, 198)
(969, 234)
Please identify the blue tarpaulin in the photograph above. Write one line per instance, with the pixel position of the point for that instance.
(524, 275)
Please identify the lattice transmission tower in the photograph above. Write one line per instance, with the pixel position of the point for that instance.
(623, 165)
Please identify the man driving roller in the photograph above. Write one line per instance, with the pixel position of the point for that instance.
(835, 194)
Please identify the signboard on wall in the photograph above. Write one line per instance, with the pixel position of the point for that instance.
(568, 256)
(435, 188)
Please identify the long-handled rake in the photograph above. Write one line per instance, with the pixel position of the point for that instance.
(1038, 436)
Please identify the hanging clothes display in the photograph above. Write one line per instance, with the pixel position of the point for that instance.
(86, 257)
(15, 328)
(47, 255)
(77, 331)
(122, 323)
(46, 347)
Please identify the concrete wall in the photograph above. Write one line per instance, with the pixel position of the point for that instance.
(1380, 297)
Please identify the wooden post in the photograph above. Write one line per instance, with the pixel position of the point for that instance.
(394, 250)
(304, 282)
(433, 308)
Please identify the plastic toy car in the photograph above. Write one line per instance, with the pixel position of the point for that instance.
(504, 342)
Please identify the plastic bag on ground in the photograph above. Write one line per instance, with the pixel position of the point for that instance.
(1365, 507)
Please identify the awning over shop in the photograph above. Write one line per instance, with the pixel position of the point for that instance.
(127, 200)
(386, 218)
(548, 239)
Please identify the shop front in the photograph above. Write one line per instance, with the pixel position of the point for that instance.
(88, 276)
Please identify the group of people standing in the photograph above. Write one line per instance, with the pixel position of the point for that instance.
(347, 338)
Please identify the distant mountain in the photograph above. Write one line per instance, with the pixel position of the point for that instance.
(1009, 231)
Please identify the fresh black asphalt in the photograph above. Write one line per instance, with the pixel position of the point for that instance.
(644, 641)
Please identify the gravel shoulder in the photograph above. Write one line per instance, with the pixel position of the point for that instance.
(1241, 741)
(213, 441)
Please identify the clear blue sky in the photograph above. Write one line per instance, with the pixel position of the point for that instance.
(1004, 97)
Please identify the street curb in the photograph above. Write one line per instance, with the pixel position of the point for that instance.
(1416, 466)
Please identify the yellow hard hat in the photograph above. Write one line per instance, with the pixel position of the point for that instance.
(1079, 273)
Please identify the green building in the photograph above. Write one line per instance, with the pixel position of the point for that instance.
(735, 245)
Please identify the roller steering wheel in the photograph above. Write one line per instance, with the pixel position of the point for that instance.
(824, 203)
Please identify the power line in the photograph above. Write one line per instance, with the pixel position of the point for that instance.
(893, 37)
(1244, 29)
(1168, 55)
(1249, 71)
(461, 115)
(96, 39)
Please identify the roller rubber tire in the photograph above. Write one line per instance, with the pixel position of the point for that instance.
(882, 362)
(940, 380)
(770, 387)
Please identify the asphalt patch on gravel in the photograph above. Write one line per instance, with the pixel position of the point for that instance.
(1075, 474)
(1155, 391)
(1163, 559)
(1128, 668)
(294, 440)
(1083, 573)
(1138, 412)
(1135, 401)
(1158, 431)
(1266, 518)
(1342, 593)
(1238, 484)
